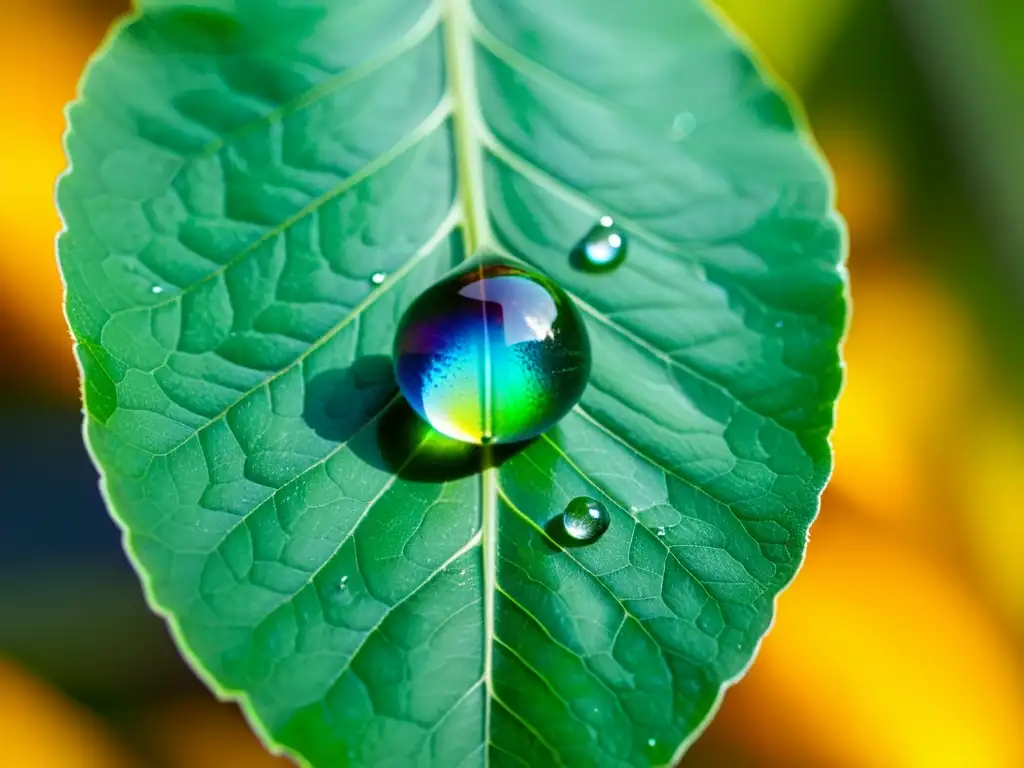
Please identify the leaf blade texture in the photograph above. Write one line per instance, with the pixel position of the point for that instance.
(258, 190)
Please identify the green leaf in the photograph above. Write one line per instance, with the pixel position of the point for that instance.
(240, 173)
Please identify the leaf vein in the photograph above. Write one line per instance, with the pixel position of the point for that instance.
(404, 43)
(446, 227)
(528, 726)
(558, 643)
(430, 123)
(539, 529)
(474, 541)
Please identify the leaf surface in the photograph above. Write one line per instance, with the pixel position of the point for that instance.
(258, 190)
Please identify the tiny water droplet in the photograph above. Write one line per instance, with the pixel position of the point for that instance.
(779, 323)
(343, 580)
(157, 289)
(602, 249)
(585, 519)
(683, 125)
(378, 277)
(493, 354)
(651, 742)
(661, 532)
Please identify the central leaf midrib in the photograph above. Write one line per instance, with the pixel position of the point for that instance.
(459, 59)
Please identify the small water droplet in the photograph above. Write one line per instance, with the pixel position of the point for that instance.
(683, 125)
(585, 519)
(661, 532)
(157, 289)
(378, 277)
(779, 323)
(343, 580)
(651, 742)
(602, 249)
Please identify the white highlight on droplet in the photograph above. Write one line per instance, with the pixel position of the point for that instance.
(378, 277)
(157, 289)
(615, 240)
(607, 221)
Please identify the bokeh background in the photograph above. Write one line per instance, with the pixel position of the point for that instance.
(900, 643)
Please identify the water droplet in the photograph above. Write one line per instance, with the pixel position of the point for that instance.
(343, 580)
(602, 249)
(378, 277)
(660, 517)
(683, 125)
(494, 353)
(779, 323)
(157, 289)
(651, 742)
(661, 532)
(585, 519)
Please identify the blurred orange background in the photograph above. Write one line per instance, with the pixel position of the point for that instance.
(899, 643)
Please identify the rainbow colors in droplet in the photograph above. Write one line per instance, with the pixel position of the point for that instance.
(495, 353)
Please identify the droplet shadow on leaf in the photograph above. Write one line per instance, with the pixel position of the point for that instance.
(345, 404)
(413, 450)
(341, 402)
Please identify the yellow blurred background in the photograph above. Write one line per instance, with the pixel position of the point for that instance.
(899, 643)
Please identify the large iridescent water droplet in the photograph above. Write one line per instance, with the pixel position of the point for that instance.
(495, 353)
(602, 249)
(585, 519)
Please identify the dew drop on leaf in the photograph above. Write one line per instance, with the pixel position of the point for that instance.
(682, 126)
(157, 289)
(661, 532)
(602, 249)
(494, 353)
(378, 277)
(585, 519)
